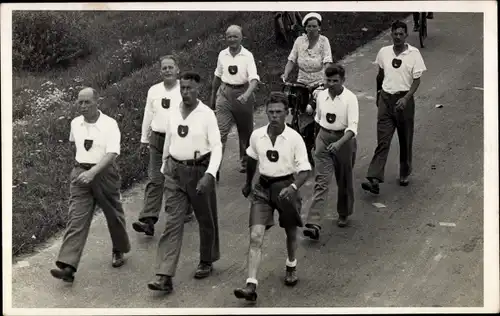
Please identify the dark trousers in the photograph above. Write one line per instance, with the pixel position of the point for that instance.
(104, 191)
(230, 111)
(388, 120)
(180, 192)
(341, 164)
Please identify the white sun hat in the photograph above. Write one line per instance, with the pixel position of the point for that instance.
(311, 15)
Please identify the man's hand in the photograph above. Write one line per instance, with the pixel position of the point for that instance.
(334, 147)
(243, 98)
(85, 177)
(205, 183)
(143, 149)
(287, 193)
(309, 109)
(401, 104)
(246, 189)
(284, 78)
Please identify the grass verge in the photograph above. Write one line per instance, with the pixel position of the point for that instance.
(42, 158)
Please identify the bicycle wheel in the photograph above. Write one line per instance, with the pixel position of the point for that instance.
(422, 32)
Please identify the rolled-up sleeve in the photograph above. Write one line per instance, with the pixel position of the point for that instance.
(294, 54)
(148, 118)
(215, 144)
(300, 155)
(252, 69)
(419, 67)
(327, 53)
(352, 115)
(114, 138)
(252, 147)
(219, 68)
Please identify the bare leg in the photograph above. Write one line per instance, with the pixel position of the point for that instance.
(257, 233)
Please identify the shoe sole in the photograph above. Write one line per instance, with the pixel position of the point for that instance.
(293, 283)
(138, 228)
(404, 183)
(154, 287)
(342, 224)
(241, 295)
(60, 276)
(118, 264)
(202, 276)
(310, 234)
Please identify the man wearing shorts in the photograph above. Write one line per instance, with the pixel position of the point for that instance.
(281, 153)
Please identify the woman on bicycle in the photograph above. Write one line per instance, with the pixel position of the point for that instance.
(312, 53)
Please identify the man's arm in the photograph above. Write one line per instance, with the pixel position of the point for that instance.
(215, 145)
(380, 79)
(302, 164)
(352, 120)
(253, 158)
(147, 119)
(253, 76)
(105, 162)
(413, 88)
(216, 82)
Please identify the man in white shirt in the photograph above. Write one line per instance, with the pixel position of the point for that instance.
(337, 114)
(283, 168)
(95, 180)
(192, 154)
(161, 98)
(400, 69)
(234, 83)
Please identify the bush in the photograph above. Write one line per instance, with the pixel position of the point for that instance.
(45, 39)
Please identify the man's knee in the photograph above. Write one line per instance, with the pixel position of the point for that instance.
(291, 232)
(257, 235)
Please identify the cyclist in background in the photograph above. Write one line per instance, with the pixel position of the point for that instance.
(416, 18)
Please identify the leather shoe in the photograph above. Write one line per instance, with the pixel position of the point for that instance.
(371, 187)
(342, 221)
(117, 259)
(204, 269)
(403, 181)
(291, 276)
(248, 292)
(312, 231)
(147, 228)
(162, 283)
(66, 274)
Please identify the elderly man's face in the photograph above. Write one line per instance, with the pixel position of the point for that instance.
(233, 38)
(169, 69)
(87, 103)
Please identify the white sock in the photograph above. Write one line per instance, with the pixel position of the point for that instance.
(253, 281)
(290, 263)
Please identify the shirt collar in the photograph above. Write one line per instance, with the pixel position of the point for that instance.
(243, 51)
(407, 51)
(340, 95)
(283, 134)
(96, 122)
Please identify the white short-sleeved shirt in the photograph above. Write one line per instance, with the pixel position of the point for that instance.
(156, 110)
(400, 79)
(104, 135)
(340, 113)
(290, 147)
(198, 132)
(245, 70)
(311, 61)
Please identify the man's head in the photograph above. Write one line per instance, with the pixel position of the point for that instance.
(399, 32)
(234, 35)
(190, 87)
(334, 78)
(169, 68)
(87, 102)
(277, 109)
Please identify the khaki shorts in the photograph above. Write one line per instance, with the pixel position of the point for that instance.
(264, 200)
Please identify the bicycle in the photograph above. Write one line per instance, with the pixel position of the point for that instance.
(299, 96)
(422, 31)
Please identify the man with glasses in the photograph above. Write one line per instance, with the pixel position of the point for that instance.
(400, 69)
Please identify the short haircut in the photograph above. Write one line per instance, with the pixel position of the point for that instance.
(171, 57)
(335, 69)
(190, 75)
(399, 24)
(312, 18)
(277, 97)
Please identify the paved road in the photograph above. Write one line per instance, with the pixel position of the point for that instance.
(399, 255)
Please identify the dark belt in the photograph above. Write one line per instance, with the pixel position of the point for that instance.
(332, 130)
(235, 86)
(203, 160)
(159, 134)
(266, 181)
(86, 166)
(399, 93)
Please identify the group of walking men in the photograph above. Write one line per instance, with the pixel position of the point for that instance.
(186, 142)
